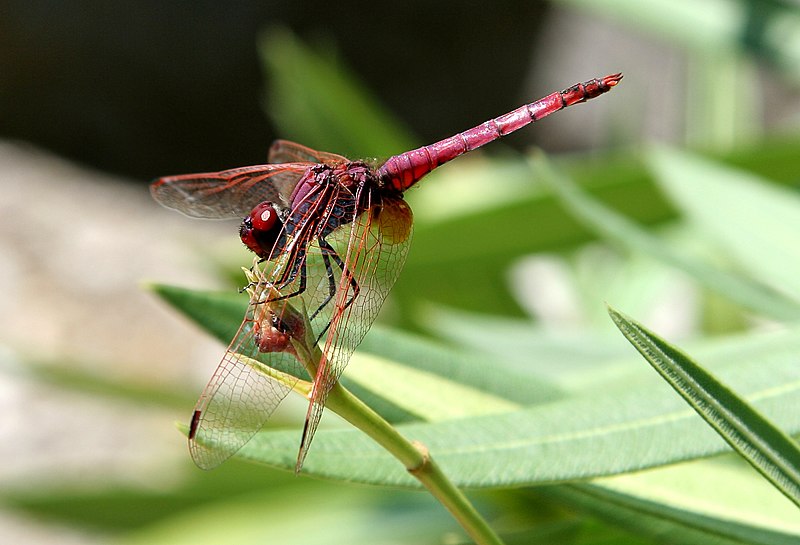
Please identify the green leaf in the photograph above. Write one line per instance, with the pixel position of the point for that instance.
(219, 313)
(601, 433)
(757, 439)
(498, 377)
(387, 357)
(719, 501)
(587, 435)
(316, 102)
(753, 220)
(572, 360)
(423, 393)
(302, 514)
(622, 231)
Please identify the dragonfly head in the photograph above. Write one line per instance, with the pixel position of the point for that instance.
(260, 230)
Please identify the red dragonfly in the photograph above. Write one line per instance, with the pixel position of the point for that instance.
(332, 235)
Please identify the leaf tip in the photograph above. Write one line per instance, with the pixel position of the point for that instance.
(181, 427)
(616, 316)
(148, 285)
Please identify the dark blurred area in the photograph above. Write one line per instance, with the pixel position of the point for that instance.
(152, 88)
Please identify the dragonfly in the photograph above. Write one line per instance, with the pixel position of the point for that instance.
(330, 237)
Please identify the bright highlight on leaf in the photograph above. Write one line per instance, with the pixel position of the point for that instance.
(758, 440)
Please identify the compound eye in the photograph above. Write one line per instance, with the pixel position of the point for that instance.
(264, 216)
(261, 229)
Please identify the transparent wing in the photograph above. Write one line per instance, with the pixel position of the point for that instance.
(373, 250)
(284, 151)
(260, 366)
(231, 193)
(339, 282)
(256, 373)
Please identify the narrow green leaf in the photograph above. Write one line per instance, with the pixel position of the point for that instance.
(570, 359)
(576, 438)
(316, 102)
(713, 501)
(590, 435)
(518, 384)
(757, 222)
(617, 228)
(220, 313)
(302, 514)
(423, 393)
(757, 439)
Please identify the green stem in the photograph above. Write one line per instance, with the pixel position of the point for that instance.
(417, 461)
(413, 455)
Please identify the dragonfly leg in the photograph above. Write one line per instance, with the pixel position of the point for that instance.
(328, 253)
(299, 269)
(331, 280)
(353, 283)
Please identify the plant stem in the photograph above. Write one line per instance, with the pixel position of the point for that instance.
(416, 459)
(413, 455)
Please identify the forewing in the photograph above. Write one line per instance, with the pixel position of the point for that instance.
(231, 193)
(373, 249)
(243, 392)
(284, 151)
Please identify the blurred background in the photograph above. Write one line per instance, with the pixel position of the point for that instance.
(98, 98)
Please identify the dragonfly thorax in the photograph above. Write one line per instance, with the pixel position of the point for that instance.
(350, 176)
(355, 174)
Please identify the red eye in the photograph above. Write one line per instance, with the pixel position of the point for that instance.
(261, 230)
(264, 216)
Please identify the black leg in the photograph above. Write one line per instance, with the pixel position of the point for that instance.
(298, 267)
(353, 282)
(331, 282)
(329, 252)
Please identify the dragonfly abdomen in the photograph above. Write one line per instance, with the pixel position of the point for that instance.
(402, 171)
